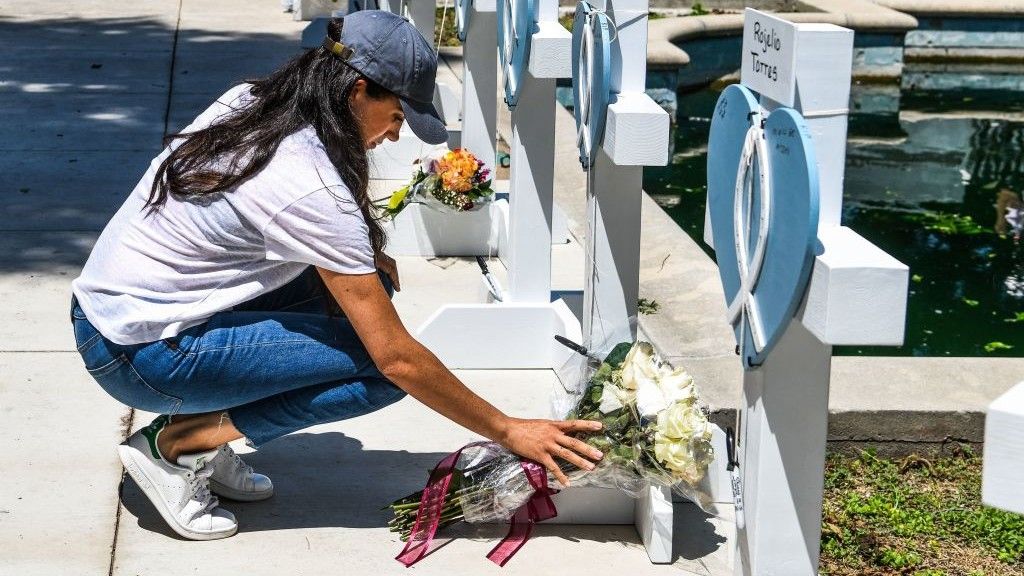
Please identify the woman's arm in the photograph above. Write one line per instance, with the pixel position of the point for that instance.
(413, 368)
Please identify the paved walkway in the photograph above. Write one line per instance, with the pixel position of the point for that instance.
(87, 89)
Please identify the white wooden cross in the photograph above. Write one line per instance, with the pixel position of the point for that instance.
(479, 77)
(1002, 483)
(635, 135)
(856, 295)
(519, 330)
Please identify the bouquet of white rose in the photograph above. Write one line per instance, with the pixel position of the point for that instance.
(655, 432)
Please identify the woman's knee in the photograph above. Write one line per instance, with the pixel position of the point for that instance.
(273, 417)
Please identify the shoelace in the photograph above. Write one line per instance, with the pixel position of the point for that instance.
(239, 463)
(199, 484)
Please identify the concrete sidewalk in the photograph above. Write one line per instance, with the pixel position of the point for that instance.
(87, 89)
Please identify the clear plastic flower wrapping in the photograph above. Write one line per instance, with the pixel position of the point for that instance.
(495, 485)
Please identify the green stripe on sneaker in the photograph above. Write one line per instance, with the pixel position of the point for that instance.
(151, 431)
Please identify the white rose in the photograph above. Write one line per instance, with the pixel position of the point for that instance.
(610, 400)
(649, 398)
(677, 421)
(686, 460)
(639, 363)
(676, 385)
(684, 420)
(672, 452)
(701, 427)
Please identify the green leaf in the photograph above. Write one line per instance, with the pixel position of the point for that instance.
(947, 223)
(600, 442)
(397, 201)
(646, 306)
(603, 374)
(623, 420)
(916, 278)
(1018, 317)
(618, 354)
(993, 346)
(969, 302)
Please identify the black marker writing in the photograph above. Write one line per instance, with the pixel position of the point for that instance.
(770, 71)
(767, 40)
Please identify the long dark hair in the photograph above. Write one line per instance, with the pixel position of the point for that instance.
(313, 89)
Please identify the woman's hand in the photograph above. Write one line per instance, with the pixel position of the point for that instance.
(390, 267)
(544, 440)
(414, 369)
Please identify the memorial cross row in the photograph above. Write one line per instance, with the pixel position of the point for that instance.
(794, 279)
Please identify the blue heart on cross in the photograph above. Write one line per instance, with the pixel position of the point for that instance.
(462, 18)
(515, 31)
(592, 32)
(763, 206)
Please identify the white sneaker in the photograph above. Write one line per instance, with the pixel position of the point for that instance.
(233, 478)
(180, 491)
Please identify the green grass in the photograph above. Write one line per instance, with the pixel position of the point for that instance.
(446, 27)
(915, 516)
(698, 9)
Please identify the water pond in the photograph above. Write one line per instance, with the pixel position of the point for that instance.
(933, 178)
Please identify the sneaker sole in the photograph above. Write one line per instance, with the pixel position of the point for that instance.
(230, 493)
(149, 489)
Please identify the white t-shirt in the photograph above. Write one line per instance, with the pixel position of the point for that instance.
(151, 276)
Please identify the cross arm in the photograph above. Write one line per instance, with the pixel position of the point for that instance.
(857, 293)
(551, 51)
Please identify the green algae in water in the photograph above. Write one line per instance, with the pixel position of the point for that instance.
(921, 184)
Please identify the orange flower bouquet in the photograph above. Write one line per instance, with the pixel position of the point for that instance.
(456, 181)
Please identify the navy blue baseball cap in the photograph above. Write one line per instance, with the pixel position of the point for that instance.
(388, 49)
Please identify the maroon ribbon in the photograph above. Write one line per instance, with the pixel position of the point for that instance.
(539, 507)
(428, 516)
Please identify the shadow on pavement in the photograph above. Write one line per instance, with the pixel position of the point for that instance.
(320, 480)
(328, 480)
(693, 533)
(84, 105)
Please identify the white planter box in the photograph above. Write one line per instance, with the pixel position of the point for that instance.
(422, 231)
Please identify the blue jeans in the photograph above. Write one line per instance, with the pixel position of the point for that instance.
(276, 364)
